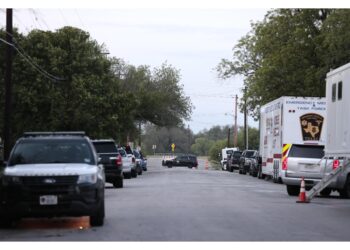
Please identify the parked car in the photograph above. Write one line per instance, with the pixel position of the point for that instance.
(52, 174)
(166, 158)
(189, 161)
(140, 160)
(111, 160)
(129, 164)
(302, 161)
(233, 161)
(249, 160)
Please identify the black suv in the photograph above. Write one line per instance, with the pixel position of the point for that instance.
(52, 174)
(111, 160)
(250, 162)
(233, 160)
(189, 161)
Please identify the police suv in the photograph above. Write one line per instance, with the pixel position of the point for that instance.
(51, 174)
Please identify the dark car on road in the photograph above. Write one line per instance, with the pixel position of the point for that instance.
(189, 161)
(249, 162)
(52, 174)
(233, 161)
(111, 160)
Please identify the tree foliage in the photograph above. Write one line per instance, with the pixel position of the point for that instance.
(289, 53)
(81, 88)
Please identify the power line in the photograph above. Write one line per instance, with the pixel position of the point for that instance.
(42, 19)
(77, 13)
(30, 61)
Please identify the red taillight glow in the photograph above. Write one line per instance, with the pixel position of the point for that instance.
(119, 161)
(336, 164)
(285, 164)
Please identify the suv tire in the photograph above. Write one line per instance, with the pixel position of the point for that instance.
(97, 219)
(345, 192)
(118, 183)
(326, 192)
(133, 174)
(6, 221)
(293, 190)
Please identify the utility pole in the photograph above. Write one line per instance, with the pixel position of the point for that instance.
(245, 120)
(228, 137)
(235, 129)
(8, 86)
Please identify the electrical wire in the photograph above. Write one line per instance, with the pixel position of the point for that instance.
(30, 61)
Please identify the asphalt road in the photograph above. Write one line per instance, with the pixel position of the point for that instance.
(181, 204)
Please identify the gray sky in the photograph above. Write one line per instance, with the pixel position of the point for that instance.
(192, 39)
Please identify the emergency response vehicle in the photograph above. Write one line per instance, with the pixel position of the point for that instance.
(289, 122)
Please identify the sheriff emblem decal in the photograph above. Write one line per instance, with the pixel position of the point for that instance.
(311, 126)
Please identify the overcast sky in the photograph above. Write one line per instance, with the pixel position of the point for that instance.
(193, 40)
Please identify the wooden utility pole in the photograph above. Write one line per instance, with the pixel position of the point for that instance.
(245, 120)
(228, 137)
(235, 128)
(8, 86)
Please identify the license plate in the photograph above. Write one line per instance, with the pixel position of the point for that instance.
(309, 166)
(48, 200)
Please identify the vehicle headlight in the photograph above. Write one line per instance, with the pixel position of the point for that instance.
(87, 178)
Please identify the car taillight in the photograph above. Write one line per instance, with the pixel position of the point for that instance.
(285, 164)
(119, 161)
(336, 164)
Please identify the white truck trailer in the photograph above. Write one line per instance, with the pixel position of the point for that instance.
(337, 149)
(285, 122)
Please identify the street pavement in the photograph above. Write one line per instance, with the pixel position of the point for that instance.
(182, 204)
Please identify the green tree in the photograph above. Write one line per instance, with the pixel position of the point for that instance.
(279, 57)
(80, 88)
(215, 150)
(201, 146)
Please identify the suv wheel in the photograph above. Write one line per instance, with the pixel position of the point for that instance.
(97, 219)
(345, 192)
(118, 183)
(6, 221)
(127, 175)
(326, 192)
(133, 174)
(293, 190)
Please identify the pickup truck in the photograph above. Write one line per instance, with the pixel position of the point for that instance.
(111, 160)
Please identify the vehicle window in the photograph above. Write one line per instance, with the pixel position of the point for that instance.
(334, 90)
(229, 151)
(105, 147)
(249, 154)
(137, 155)
(306, 151)
(52, 151)
(192, 158)
(237, 153)
(340, 90)
(122, 152)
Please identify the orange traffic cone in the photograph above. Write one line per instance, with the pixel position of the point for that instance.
(206, 165)
(302, 194)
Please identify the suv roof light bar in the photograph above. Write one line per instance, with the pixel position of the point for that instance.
(67, 133)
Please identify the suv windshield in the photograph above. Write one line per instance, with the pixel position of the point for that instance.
(249, 154)
(105, 147)
(122, 152)
(237, 153)
(306, 151)
(51, 151)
